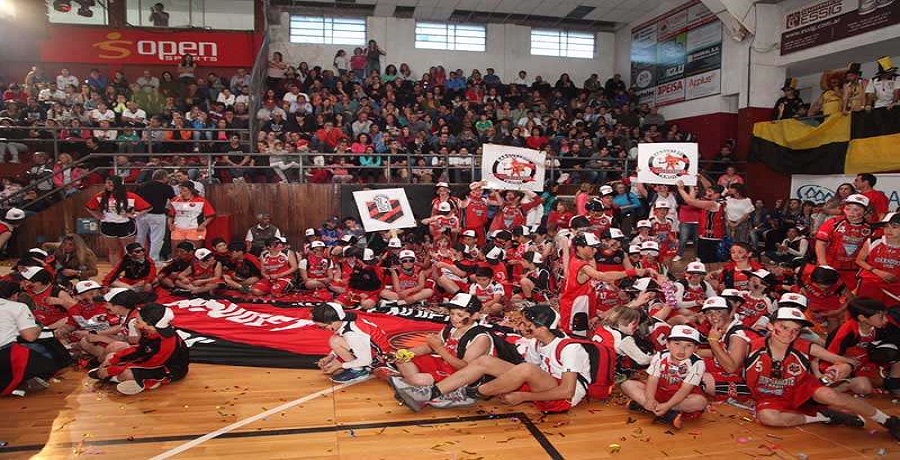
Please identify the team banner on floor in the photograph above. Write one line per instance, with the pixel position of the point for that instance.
(246, 334)
(667, 163)
(513, 168)
(384, 209)
(818, 189)
(862, 142)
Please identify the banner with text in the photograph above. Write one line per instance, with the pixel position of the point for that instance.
(819, 189)
(513, 168)
(825, 21)
(668, 163)
(102, 45)
(677, 56)
(384, 209)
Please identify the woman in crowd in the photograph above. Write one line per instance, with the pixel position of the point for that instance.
(72, 260)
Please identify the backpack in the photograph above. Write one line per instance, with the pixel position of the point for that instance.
(603, 367)
(506, 349)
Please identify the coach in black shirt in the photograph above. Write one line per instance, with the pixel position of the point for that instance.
(152, 225)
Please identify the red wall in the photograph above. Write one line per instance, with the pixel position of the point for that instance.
(711, 130)
(762, 182)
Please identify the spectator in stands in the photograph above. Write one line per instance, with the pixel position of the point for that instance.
(158, 16)
(738, 210)
(67, 176)
(730, 177)
(878, 201)
(790, 104)
(832, 99)
(614, 85)
(258, 234)
(6, 144)
(373, 57)
(854, 90)
(186, 68)
(41, 173)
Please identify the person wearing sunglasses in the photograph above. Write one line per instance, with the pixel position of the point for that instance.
(779, 373)
(135, 271)
(409, 283)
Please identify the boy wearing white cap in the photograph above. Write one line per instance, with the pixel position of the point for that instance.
(203, 275)
(279, 265)
(316, 270)
(780, 377)
(408, 281)
(879, 263)
(729, 344)
(664, 229)
(839, 239)
(693, 289)
(444, 223)
(673, 388)
(10, 221)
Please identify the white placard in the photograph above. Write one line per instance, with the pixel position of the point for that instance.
(384, 209)
(513, 168)
(819, 189)
(668, 163)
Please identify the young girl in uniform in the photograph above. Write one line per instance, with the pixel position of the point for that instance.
(279, 264)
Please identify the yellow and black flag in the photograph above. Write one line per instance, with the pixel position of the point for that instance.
(862, 142)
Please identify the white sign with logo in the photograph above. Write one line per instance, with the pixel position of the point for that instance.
(705, 84)
(384, 209)
(819, 189)
(513, 168)
(668, 163)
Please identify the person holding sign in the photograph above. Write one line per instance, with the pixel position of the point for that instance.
(712, 220)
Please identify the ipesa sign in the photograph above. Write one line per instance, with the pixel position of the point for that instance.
(96, 45)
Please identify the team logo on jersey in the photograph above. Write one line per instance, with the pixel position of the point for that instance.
(794, 369)
(514, 169)
(384, 208)
(669, 164)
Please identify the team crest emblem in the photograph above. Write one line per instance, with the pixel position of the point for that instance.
(669, 164)
(385, 209)
(794, 369)
(515, 169)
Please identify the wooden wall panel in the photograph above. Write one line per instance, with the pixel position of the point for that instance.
(294, 207)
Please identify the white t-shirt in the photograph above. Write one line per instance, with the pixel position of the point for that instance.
(883, 91)
(14, 317)
(137, 115)
(736, 209)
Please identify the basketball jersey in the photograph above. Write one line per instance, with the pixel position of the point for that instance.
(91, 316)
(753, 309)
(273, 264)
(712, 223)
(487, 293)
(406, 279)
(843, 241)
(673, 374)
(795, 369)
(317, 267)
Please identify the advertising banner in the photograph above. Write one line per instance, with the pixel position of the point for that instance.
(819, 189)
(670, 49)
(825, 21)
(513, 168)
(102, 45)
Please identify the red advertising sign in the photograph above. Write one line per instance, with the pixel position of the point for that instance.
(101, 45)
(825, 21)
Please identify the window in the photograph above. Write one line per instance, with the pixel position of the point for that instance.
(328, 31)
(453, 37)
(562, 43)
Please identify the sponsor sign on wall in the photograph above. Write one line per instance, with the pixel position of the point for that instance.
(667, 163)
(668, 52)
(824, 21)
(103, 45)
(819, 189)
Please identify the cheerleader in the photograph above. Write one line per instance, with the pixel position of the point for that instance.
(116, 208)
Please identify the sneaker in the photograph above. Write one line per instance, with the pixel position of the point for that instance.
(94, 374)
(673, 417)
(415, 398)
(456, 398)
(129, 387)
(352, 375)
(843, 418)
(385, 372)
(676, 258)
(634, 406)
(893, 426)
(36, 384)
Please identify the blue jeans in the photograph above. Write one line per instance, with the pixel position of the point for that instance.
(687, 231)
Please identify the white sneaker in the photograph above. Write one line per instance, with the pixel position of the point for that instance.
(129, 387)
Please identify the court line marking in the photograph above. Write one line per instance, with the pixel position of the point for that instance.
(522, 417)
(240, 423)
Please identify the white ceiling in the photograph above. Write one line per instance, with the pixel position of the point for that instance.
(617, 11)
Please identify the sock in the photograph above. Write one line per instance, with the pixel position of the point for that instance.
(436, 392)
(819, 417)
(879, 417)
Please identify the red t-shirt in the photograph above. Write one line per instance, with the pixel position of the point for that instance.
(879, 202)
(843, 240)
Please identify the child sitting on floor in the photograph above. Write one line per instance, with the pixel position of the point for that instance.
(355, 346)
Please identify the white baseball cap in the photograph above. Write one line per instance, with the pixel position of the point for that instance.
(368, 254)
(395, 243)
(469, 233)
(310, 232)
(696, 267)
(407, 254)
(442, 184)
(792, 298)
(644, 224)
(634, 249)
(495, 253)
(859, 199)
(732, 293)
(662, 205)
(87, 285)
(112, 293)
(684, 332)
(650, 246)
(29, 272)
(616, 234)
(714, 303)
(536, 257)
(645, 284)
(38, 251)
(444, 207)
(790, 314)
(465, 301)
(202, 253)
(14, 215)
(606, 190)
(317, 244)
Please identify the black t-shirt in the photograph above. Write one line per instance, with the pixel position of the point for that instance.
(236, 154)
(157, 194)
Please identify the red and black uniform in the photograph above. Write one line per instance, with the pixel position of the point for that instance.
(665, 232)
(245, 268)
(318, 267)
(437, 367)
(200, 271)
(753, 309)
(476, 216)
(849, 341)
(882, 256)
(601, 222)
(786, 385)
(730, 384)
(733, 278)
(610, 260)
(513, 215)
(712, 223)
(131, 272)
(607, 297)
(92, 316)
(578, 302)
(274, 265)
(44, 313)
(176, 266)
(822, 299)
(373, 336)
(365, 283)
(693, 296)
(843, 241)
(408, 279)
(156, 360)
(674, 374)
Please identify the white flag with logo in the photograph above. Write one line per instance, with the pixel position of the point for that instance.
(668, 163)
(513, 168)
(384, 209)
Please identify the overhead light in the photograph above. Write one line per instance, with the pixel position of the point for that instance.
(63, 6)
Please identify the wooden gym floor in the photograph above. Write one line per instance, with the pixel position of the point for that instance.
(299, 414)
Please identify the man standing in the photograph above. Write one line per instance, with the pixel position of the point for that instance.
(157, 192)
(882, 91)
(854, 89)
(878, 201)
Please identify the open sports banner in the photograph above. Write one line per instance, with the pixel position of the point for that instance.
(824, 21)
(513, 168)
(104, 45)
(384, 209)
(677, 56)
(247, 334)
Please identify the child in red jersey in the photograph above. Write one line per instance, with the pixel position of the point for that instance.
(664, 230)
(489, 292)
(203, 275)
(826, 294)
(879, 263)
(459, 343)
(779, 374)
(408, 281)
(673, 387)
(692, 291)
(855, 338)
(757, 305)
(91, 325)
(279, 265)
(729, 343)
(356, 346)
(650, 257)
(839, 240)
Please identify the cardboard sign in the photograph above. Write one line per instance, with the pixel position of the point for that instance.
(513, 168)
(668, 163)
(384, 209)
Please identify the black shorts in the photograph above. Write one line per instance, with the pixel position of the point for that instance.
(118, 230)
